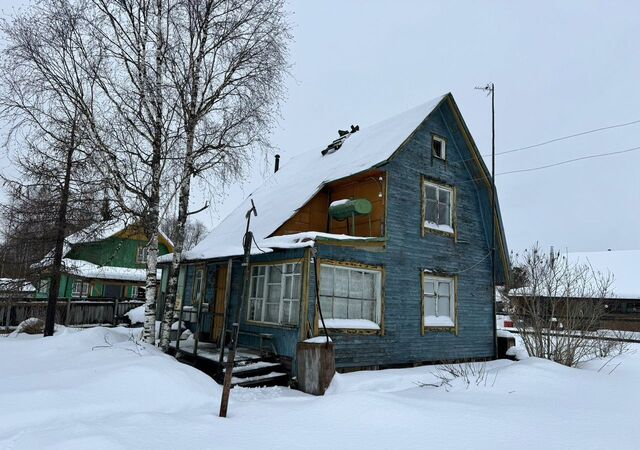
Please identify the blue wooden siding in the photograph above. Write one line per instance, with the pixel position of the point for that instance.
(407, 253)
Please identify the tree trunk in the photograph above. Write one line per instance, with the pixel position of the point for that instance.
(183, 213)
(61, 227)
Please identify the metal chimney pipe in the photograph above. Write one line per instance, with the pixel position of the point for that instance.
(277, 166)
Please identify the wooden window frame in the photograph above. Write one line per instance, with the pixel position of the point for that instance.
(452, 211)
(268, 267)
(196, 294)
(453, 279)
(82, 292)
(381, 297)
(141, 254)
(443, 142)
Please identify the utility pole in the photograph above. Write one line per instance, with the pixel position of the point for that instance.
(490, 90)
(231, 356)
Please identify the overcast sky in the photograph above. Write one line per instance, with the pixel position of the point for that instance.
(559, 68)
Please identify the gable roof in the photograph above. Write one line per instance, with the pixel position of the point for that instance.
(298, 181)
(95, 233)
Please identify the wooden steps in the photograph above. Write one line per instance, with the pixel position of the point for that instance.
(258, 373)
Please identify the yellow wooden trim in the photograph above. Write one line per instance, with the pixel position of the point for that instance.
(358, 265)
(354, 243)
(275, 263)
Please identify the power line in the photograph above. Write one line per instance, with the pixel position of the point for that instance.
(562, 138)
(567, 161)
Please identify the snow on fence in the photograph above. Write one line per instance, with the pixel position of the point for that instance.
(70, 312)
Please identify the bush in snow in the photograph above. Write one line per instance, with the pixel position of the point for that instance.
(559, 307)
(474, 373)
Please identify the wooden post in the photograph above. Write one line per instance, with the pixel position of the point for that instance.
(228, 374)
(115, 312)
(67, 315)
(179, 324)
(7, 322)
(227, 294)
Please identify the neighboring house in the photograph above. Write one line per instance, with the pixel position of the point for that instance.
(622, 302)
(394, 220)
(13, 288)
(105, 260)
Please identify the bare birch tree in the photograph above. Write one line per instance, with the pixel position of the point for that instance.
(559, 308)
(39, 100)
(226, 64)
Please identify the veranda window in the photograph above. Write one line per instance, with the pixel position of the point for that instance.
(350, 297)
(438, 207)
(275, 293)
(80, 289)
(439, 301)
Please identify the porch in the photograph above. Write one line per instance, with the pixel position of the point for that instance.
(252, 367)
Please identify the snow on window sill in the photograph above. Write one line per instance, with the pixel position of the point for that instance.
(439, 227)
(350, 324)
(438, 321)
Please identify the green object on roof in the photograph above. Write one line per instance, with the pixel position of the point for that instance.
(345, 209)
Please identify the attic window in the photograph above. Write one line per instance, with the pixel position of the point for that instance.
(439, 147)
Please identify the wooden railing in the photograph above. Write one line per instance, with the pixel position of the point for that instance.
(69, 311)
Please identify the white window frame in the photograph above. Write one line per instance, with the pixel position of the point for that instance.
(443, 147)
(437, 279)
(141, 254)
(257, 308)
(335, 322)
(83, 290)
(438, 226)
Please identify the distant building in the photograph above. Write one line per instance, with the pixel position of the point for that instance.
(10, 287)
(623, 300)
(105, 260)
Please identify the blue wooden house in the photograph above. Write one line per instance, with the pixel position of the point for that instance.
(392, 222)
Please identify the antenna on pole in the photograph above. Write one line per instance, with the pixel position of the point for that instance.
(490, 90)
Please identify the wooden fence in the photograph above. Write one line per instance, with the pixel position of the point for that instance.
(69, 312)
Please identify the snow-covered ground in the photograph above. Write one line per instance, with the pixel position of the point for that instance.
(99, 389)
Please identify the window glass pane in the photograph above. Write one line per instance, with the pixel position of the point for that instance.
(444, 288)
(355, 284)
(296, 287)
(341, 283)
(326, 303)
(340, 308)
(354, 309)
(271, 312)
(443, 214)
(326, 280)
(429, 288)
(444, 196)
(260, 287)
(369, 285)
(275, 274)
(273, 291)
(290, 312)
(288, 285)
(430, 192)
(369, 310)
(430, 306)
(431, 211)
(444, 306)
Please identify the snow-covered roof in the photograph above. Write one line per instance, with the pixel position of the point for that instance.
(16, 285)
(623, 265)
(287, 190)
(85, 269)
(94, 233)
